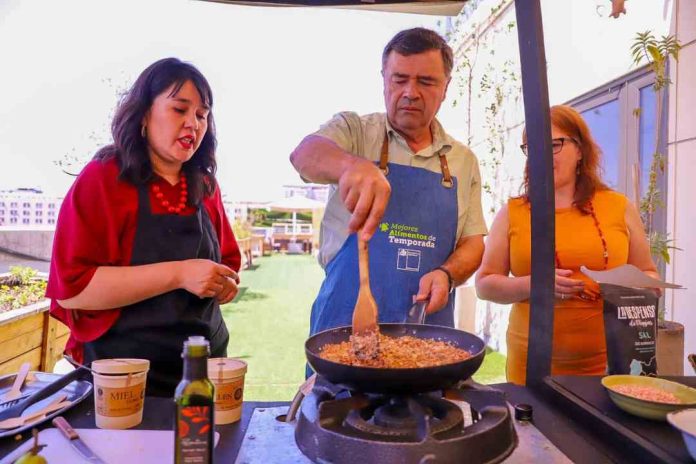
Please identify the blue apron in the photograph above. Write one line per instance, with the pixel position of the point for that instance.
(417, 234)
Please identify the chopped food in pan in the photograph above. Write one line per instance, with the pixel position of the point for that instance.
(647, 393)
(398, 353)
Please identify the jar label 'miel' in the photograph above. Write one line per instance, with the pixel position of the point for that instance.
(120, 402)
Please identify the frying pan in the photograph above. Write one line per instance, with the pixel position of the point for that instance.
(397, 381)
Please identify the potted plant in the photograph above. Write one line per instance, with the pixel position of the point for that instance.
(27, 332)
(656, 52)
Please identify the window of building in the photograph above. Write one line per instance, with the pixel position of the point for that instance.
(39, 213)
(26, 204)
(51, 206)
(2, 212)
(13, 220)
(13, 212)
(51, 213)
(25, 221)
(622, 116)
(25, 213)
(39, 205)
(51, 221)
(39, 221)
(13, 204)
(2, 204)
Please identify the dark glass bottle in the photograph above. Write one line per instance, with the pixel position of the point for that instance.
(195, 403)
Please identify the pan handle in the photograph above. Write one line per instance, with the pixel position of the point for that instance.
(303, 391)
(416, 314)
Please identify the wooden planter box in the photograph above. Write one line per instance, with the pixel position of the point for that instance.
(30, 334)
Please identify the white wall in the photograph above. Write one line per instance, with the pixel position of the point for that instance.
(682, 170)
(36, 243)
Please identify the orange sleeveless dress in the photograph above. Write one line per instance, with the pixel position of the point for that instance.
(579, 347)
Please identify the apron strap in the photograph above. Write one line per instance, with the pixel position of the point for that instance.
(446, 177)
(384, 156)
(384, 159)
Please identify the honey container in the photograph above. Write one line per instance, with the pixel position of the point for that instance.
(227, 374)
(119, 392)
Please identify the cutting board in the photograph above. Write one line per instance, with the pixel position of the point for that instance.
(113, 446)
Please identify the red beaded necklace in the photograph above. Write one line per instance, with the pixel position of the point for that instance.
(182, 198)
(605, 255)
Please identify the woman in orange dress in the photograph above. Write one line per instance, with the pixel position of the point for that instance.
(595, 227)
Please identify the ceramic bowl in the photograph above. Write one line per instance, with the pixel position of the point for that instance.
(644, 408)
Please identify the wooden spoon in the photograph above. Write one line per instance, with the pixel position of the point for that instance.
(57, 403)
(16, 390)
(365, 338)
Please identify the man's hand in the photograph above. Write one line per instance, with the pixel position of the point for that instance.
(434, 285)
(205, 278)
(365, 193)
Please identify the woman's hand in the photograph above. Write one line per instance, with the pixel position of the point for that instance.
(205, 278)
(565, 287)
(229, 290)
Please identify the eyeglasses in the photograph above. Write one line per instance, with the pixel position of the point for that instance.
(556, 144)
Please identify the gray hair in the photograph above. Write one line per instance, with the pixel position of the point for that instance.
(419, 40)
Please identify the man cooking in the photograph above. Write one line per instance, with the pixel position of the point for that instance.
(400, 181)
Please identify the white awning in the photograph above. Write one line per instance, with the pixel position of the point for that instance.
(430, 7)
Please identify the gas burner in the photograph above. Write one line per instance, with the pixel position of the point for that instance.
(402, 418)
(339, 426)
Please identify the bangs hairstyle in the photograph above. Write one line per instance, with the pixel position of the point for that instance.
(131, 150)
(588, 180)
(419, 40)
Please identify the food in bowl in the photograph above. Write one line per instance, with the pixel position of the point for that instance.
(648, 408)
(647, 393)
(398, 353)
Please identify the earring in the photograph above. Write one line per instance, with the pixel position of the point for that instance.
(143, 131)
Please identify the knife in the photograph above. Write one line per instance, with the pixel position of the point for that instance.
(75, 440)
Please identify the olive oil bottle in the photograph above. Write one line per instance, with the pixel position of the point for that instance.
(195, 401)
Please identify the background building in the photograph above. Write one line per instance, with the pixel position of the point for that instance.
(28, 208)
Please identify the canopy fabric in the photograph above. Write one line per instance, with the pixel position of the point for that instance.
(430, 7)
(295, 204)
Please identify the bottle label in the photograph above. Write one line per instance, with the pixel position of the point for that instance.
(194, 434)
(228, 396)
(120, 402)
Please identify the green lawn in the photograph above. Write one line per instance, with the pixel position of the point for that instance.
(269, 322)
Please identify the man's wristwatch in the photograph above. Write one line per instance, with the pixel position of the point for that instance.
(449, 277)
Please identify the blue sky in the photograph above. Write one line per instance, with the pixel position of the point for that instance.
(276, 74)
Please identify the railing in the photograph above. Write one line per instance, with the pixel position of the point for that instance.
(290, 229)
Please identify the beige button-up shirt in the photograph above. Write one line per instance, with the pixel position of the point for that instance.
(363, 136)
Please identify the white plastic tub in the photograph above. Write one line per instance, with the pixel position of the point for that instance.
(119, 392)
(227, 374)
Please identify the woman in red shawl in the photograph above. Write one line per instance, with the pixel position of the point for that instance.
(143, 254)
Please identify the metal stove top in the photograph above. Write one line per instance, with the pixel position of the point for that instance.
(474, 421)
